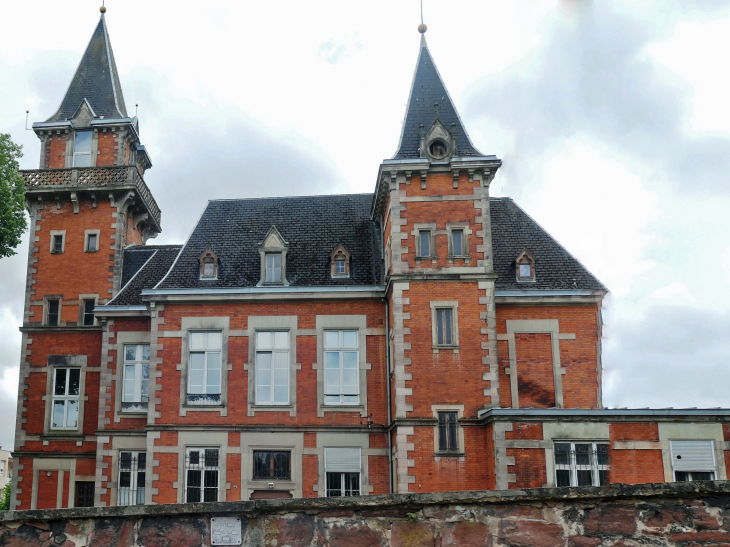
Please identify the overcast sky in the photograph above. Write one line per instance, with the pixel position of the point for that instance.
(612, 119)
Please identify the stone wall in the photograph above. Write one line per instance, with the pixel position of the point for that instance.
(680, 514)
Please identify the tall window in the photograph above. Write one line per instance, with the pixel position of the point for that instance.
(204, 376)
(272, 367)
(693, 460)
(66, 387)
(581, 464)
(84, 494)
(448, 432)
(271, 465)
(92, 243)
(82, 149)
(202, 467)
(135, 393)
(444, 327)
(2, 468)
(132, 468)
(341, 382)
(57, 246)
(273, 267)
(424, 243)
(342, 471)
(53, 309)
(457, 242)
(89, 313)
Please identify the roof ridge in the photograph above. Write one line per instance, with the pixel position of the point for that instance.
(369, 194)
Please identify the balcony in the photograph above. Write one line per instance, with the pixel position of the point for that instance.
(89, 179)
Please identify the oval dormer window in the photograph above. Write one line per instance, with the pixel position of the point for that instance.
(438, 149)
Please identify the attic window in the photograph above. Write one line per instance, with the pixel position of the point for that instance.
(340, 262)
(273, 250)
(208, 265)
(525, 267)
(438, 149)
(82, 149)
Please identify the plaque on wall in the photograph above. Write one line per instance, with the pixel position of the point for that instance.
(225, 531)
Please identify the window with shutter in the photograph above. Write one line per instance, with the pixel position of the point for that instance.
(693, 460)
(342, 469)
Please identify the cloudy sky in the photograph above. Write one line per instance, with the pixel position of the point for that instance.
(612, 119)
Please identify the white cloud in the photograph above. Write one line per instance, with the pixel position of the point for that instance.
(674, 291)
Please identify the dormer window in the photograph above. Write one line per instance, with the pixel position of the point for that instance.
(208, 265)
(525, 267)
(273, 251)
(340, 262)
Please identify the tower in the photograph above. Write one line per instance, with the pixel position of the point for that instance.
(87, 202)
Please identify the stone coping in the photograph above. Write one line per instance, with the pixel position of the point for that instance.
(368, 504)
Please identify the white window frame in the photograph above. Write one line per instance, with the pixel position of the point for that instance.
(62, 235)
(261, 350)
(272, 268)
(135, 493)
(573, 467)
(340, 350)
(202, 468)
(208, 351)
(66, 398)
(342, 471)
(88, 154)
(138, 363)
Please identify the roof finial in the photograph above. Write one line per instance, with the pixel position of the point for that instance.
(102, 9)
(422, 28)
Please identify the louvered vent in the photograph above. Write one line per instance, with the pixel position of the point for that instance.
(693, 456)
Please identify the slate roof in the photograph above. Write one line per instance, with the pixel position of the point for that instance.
(96, 80)
(427, 90)
(143, 268)
(311, 225)
(555, 268)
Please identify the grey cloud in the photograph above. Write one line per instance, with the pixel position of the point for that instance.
(592, 77)
(673, 356)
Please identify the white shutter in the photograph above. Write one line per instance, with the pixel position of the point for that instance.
(692, 455)
(342, 459)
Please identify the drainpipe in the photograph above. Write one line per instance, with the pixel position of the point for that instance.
(387, 368)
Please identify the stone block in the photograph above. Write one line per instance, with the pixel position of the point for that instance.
(530, 533)
(466, 534)
(405, 533)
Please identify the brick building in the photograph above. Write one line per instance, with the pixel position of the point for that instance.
(425, 337)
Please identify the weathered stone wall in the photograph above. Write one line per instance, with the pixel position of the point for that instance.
(675, 515)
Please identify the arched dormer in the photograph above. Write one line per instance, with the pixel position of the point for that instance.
(525, 267)
(438, 143)
(273, 250)
(208, 265)
(340, 262)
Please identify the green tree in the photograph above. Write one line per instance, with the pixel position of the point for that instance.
(5, 498)
(12, 197)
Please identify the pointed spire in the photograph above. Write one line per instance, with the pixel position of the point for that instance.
(428, 90)
(96, 80)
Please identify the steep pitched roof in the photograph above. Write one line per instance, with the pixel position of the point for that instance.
(555, 268)
(312, 226)
(427, 90)
(143, 268)
(96, 80)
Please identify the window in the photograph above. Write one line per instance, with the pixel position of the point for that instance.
(270, 465)
(66, 387)
(84, 494)
(82, 149)
(341, 367)
(208, 269)
(525, 266)
(57, 245)
(581, 464)
(444, 327)
(204, 376)
(340, 261)
(132, 468)
(457, 242)
(340, 267)
(2, 468)
(92, 243)
(448, 427)
(135, 390)
(272, 367)
(89, 313)
(693, 460)
(342, 471)
(202, 467)
(273, 267)
(53, 313)
(208, 265)
(424, 243)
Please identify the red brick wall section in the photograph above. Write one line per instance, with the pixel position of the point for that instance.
(107, 149)
(310, 475)
(55, 156)
(167, 470)
(635, 466)
(47, 489)
(535, 379)
(25, 481)
(233, 477)
(66, 482)
(579, 356)
(86, 467)
(378, 471)
(530, 468)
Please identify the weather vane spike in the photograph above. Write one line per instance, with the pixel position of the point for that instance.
(422, 28)
(102, 9)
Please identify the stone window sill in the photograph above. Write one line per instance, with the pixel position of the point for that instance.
(272, 407)
(92, 252)
(55, 434)
(455, 349)
(343, 408)
(459, 257)
(449, 454)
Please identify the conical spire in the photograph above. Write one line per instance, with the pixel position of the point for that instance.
(96, 80)
(428, 90)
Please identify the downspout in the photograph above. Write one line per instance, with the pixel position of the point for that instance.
(387, 368)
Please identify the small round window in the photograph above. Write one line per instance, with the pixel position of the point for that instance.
(438, 149)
